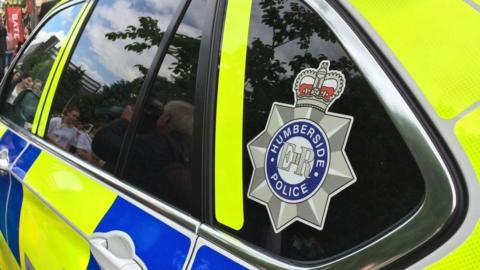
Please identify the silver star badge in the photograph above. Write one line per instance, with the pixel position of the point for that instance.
(299, 160)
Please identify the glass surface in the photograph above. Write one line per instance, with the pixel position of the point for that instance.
(160, 159)
(285, 38)
(103, 77)
(25, 85)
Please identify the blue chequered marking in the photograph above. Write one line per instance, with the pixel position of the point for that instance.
(13, 143)
(26, 161)
(13, 220)
(4, 186)
(20, 168)
(158, 245)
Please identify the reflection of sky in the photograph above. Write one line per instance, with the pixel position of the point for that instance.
(191, 25)
(107, 61)
(58, 26)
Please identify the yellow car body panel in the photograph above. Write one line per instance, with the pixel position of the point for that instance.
(41, 231)
(79, 198)
(7, 259)
(437, 42)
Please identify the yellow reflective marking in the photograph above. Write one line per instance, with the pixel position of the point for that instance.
(466, 257)
(229, 121)
(50, 78)
(7, 259)
(467, 130)
(54, 80)
(47, 241)
(82, 200)
(438, 44)
(3, 129)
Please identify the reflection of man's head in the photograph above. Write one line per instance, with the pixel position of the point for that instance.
(71, 115)
(177, 116)
(37, 85)
(16, 76)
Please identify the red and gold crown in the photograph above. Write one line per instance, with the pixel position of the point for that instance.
(318, 88)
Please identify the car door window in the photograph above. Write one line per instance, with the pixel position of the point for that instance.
(160, 159)
(95, 98)
(288, 44)
(101, 81)
(27, 80)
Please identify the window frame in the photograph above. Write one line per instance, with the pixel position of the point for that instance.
(441, 183)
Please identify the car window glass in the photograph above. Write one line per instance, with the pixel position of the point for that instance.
(102, 79)
(160, 157)
(27, 81)
(285, 38)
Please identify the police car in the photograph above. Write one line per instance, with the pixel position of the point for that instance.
(243, 134)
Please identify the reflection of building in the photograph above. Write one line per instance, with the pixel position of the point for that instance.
(44, 47)
(87, 83)
(48, 47)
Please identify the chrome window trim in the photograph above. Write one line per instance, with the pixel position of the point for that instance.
(119, 187)
(432, 215)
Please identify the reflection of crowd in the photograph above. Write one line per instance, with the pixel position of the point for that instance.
(68, 133)
(9, 47)
(159, 160)
(23, 98)
(20, 82)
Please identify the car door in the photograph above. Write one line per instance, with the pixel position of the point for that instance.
(38, 59)
(78, 206)
(355, 193)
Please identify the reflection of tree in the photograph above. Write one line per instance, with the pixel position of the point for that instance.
(183, 48)
(111, 98)
(38, 64)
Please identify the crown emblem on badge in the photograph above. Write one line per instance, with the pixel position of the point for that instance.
(318, 88)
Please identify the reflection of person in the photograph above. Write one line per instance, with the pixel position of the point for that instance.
(83, 144)
(24, 83)
(159, 160)
(62, 131)
(16, 77)
(37, 86)
(10, 51)
(3, 44)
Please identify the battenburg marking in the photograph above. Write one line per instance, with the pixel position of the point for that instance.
(299, 159)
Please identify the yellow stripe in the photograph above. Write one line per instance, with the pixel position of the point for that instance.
(229, 122)
(467, 130)
(73, 33)
(467, 256)
(438, 44)
(7, 259)
(47, 240)
(82, 200)
(3, 129)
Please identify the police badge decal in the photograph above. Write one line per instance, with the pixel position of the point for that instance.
(299, 160)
